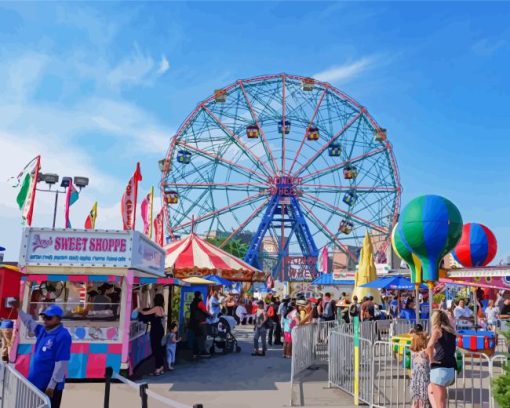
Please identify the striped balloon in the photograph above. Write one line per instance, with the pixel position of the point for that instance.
(407, 256)
(430, 226)
(477, 246)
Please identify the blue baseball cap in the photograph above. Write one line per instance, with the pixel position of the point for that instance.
(53, 310)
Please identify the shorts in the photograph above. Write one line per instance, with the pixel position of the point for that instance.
(442, 376)
(287, 337)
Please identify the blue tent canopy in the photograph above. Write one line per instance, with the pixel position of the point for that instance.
(218, 280)
(396, 282)
(327, 279)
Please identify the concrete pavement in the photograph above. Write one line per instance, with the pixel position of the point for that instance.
(224, 381)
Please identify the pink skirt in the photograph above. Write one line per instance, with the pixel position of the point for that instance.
(287, 337)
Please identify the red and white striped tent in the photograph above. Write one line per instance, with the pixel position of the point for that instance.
(194, 256)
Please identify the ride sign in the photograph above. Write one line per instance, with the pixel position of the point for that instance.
(301, 268)
(90, 248)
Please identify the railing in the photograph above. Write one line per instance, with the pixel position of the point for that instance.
(17, 391)
(136, 329)
(142, 390)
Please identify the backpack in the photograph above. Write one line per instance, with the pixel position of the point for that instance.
(354, 310)
(328, 310)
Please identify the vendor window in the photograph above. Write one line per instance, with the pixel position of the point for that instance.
(91, 309)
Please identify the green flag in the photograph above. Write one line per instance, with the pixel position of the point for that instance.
(27, 181)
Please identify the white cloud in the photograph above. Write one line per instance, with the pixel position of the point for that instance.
(486, 47)
(22, 75)
(135, 69)
(164, 65)
(345, 71)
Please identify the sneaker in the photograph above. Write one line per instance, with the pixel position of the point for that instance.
(205, 355)
(170, 368)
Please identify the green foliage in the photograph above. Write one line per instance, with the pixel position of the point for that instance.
(501, 384)
(235, 247)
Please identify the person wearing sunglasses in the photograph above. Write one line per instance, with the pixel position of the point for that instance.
(50, 358)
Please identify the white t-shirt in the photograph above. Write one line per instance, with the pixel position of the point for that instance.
(462, 313)
(492, 314)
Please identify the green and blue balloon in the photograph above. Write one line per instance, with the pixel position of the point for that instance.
(429, 227)
(407, 256)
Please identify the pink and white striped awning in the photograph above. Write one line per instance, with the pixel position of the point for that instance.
(192, 256)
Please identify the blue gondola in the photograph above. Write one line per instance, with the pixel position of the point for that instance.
(183, 157)
(287, 127)
(335, 150)
(350, 198)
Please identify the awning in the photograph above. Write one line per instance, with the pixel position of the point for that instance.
(194, 256)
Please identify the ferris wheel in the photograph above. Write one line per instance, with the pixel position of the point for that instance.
(282, 159)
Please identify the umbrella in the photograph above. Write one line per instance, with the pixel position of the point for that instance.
(218, 280)
(366, 271)
(396, 282)
(195, 280)
(326, 279)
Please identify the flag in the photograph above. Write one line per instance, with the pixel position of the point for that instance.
(146, 211)
(27, 182)
(159, 228)
(72, 196)
(128, 202)
(90, 221)
(322, 262)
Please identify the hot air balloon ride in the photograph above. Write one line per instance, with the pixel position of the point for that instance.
(477, 246)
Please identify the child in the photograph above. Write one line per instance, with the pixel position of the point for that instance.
(289, 323)
(420, 375)
(171, 341)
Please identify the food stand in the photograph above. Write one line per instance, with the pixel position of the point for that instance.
(96, 277)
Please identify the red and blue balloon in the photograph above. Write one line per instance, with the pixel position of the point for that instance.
(477, 246)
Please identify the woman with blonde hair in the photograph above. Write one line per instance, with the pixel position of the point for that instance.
(441, 354)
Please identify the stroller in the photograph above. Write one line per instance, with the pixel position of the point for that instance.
(220, 330)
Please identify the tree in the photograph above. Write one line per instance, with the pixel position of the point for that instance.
(235, 247)
(501, 384)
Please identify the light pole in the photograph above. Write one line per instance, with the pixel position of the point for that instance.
(51, 179)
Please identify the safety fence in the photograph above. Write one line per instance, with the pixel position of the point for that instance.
(143, 391)
(17, 391)
(378, 371)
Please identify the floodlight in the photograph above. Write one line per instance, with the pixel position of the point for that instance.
(66, 182)
(81, 182)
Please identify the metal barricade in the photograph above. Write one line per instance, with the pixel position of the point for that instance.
(390, 377)
(17, 391)
(143, 391)
(401, 326)
(341, 365)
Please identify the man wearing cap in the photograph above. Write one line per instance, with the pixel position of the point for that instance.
(52, 351)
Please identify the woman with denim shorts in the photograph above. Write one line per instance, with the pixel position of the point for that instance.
(441, 353)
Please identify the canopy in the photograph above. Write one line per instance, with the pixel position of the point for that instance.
(195, 280)
(192, 256)
(396, 282)
(218, 280)
(326, 279)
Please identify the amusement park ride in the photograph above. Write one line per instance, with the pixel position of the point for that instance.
(290, 159)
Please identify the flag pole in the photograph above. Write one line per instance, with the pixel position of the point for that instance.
(137, 172)
(32, 201)
(151, 213)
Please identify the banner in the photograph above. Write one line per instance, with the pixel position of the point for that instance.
(90, 221)
(322, 263)
(72, 196)
(146, 212)
(159, 228)
(128, 202)
(27, 182)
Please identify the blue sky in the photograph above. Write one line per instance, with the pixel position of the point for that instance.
(96, 87)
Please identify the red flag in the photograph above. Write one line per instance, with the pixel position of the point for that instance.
(159, 228)
(128, 202)
(146, 212)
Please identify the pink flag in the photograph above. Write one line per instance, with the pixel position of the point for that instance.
(128, 202)
(159, 228)
(146, 212)
(323, 260)
(72, 196)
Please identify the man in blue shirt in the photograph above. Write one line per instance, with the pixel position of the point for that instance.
(48, 366)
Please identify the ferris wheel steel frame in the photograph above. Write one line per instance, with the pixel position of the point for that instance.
(229, 162)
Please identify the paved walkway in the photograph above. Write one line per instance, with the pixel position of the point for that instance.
(224, 381)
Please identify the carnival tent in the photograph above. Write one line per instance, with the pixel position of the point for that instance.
(194, 256)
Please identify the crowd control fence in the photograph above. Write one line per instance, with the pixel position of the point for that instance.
(17, 391)
(379, 372)
(143, 391)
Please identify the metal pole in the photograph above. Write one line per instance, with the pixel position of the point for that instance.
(475, 301)
(430, 285)
(417, 301)
(55, 209)
(107, 383)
